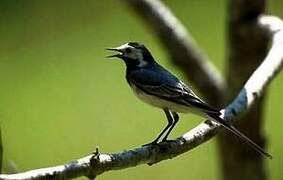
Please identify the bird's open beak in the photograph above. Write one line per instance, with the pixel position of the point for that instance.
(119, 55)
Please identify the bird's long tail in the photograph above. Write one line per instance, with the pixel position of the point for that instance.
(232, 129)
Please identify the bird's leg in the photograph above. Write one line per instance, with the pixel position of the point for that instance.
(170, 123)
(176, 119)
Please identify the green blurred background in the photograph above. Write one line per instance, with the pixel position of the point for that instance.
(60, 97)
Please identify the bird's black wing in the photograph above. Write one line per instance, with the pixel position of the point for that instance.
(168, 88)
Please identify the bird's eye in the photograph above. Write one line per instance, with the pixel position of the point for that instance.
(128, 50)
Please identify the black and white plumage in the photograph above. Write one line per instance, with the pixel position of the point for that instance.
(156, 86)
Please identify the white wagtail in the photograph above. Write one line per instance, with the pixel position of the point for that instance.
(156, 86)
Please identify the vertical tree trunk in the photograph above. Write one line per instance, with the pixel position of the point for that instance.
(247, 47)
(1, 150)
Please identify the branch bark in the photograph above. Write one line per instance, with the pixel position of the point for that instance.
(182, 48)
(96, 163)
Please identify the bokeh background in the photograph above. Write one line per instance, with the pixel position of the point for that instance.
(60, 97)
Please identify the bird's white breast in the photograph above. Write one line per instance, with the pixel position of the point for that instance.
(162, 103)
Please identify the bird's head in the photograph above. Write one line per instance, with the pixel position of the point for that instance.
(133, 53)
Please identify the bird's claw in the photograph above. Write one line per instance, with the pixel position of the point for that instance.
(167, 141)
(151, 143)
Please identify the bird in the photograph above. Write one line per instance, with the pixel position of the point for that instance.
(156, 86)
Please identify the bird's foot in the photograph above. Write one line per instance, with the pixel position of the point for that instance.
(151, 143)
(166, 140)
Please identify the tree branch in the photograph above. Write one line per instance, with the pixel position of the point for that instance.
(96, 164)
(265, 72)
(182, 48)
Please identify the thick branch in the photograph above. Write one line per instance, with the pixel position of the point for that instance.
(182, 48)
(93, 165)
